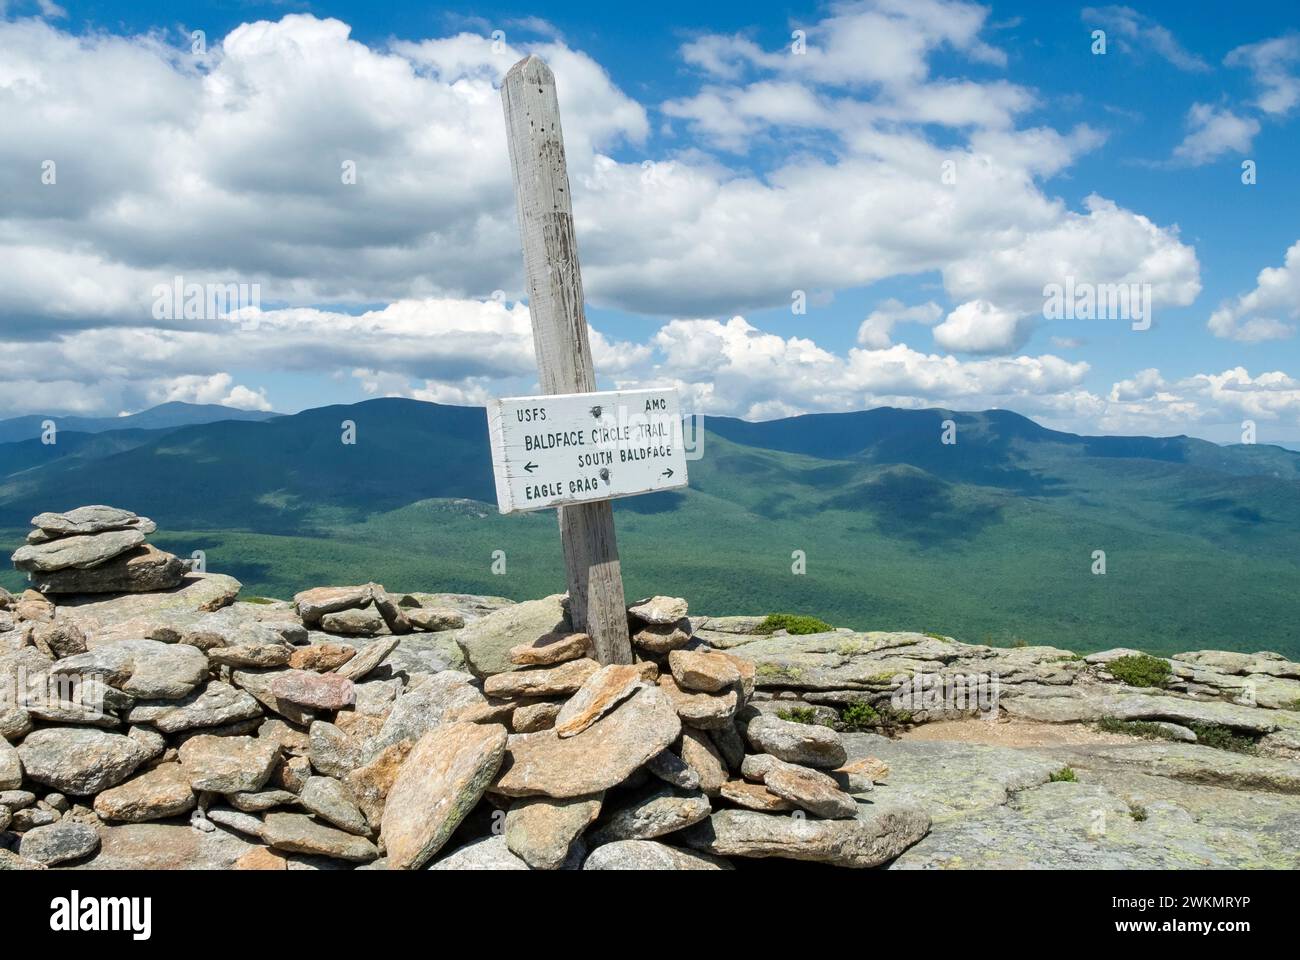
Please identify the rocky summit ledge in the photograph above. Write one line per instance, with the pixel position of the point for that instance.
(354, 727)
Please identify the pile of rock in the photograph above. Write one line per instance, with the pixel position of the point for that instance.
(186, 729)
(368, 610)
(96, 549)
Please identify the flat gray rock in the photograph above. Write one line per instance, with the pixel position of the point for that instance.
(59, 842)
(76, 551)
(661, 810)
(490, 853)
(650, 855)
(876, 836)
(603, 755)
(427, 704)
(79, 761)
(217, 704)
(542, 831)
(330, 800)
(486, 642)
(807, 744)
(145, 669)
(155, 794)
(228, 764)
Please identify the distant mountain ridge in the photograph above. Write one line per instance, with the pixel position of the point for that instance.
(172, 414)
(991, 539)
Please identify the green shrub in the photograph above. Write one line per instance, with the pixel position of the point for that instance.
(257, 600)
(1138, 812)
(861, 716)
(792, 623)
(799, 715)
(858, 716)
(1140, 670)
(1223, 738)
(1064, 775)
(1135, 728)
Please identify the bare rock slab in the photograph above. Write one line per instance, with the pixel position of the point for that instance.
(659, 610)
(562, 680)
(490, 853)
(442, 779)
(708, 672)
(329, 800)
(215, 705)
(551, 649)
(370, 657)
(313, 604)
(604, 754)
(314, 691)
(146, 669)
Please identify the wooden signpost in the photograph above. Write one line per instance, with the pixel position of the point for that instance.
(575, 486)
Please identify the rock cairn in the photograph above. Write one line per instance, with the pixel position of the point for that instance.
(96, 549)
(357, 727)
(330, 731)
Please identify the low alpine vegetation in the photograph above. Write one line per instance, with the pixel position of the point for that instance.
(792, 623)
(1141, 670)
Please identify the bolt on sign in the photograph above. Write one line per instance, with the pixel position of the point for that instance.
(562, 449)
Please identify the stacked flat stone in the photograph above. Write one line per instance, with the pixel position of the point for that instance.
(369, 610)
(96, 549)
(282, 746)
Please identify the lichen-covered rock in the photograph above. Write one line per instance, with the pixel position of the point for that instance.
(155, 794)
(541, 831)
(228, 764)
(145, 669)
(807, 744)
(876, 836)
(601, 692)
(79, 761)
(487, 642)
(299, 833)
(650, 855)
(59, 842)
(654, 813)
(561, 680)
(605, 754)
(442, 779)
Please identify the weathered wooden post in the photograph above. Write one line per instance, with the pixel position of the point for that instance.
(560, 337)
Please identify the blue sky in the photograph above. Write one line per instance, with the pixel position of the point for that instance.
(715, 173)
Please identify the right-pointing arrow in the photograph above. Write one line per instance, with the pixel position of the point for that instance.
(667, 473)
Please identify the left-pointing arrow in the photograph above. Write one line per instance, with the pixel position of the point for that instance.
(530, 466)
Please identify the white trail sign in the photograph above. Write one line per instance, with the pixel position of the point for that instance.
(561, 449)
